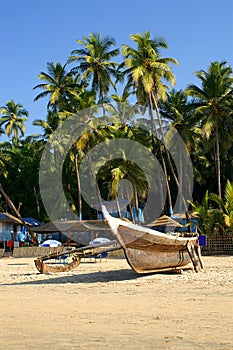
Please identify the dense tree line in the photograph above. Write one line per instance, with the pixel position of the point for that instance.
(93, 74)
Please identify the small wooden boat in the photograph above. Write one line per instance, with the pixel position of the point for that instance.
(50, 263)
(147, 250)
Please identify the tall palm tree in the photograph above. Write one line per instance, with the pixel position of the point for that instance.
(59, 85)
(146, 69)
(146, 73)
(214, 97)
(95, 62)
(13, 118)
(178, 110)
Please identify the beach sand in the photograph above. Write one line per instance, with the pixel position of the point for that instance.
(108, 306)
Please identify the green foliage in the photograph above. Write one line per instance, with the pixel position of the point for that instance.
(211, 218)
(226, 205)
(214, 107)
(146, 76)
(13, 118)
(22, 182)
(94, 58)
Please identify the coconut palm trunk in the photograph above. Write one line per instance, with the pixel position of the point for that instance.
(218, 166)
(79, 188)
(214, 98)
(162, 157)
(169, 159)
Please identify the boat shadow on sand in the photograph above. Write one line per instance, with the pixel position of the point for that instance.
(120, 275)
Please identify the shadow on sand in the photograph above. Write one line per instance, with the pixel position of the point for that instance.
(75, 277)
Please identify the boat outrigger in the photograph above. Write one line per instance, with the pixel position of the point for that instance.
(73, 256)
(146, 250)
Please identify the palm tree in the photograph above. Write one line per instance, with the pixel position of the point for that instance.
(4, 157)
(178, 110)
(146, 69)
(13, 118)
(146, 73)
(226, 205)
(229, 205)
(214, 97)
(95, 62)
(50, 124)
(121, 110)
(208, 219)
(128, 171)
(59, 85)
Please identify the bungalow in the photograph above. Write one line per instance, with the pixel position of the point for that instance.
(12, 232)
(10, 228)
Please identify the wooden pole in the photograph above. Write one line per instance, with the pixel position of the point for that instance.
(194, 257)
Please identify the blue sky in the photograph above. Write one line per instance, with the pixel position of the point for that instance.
(33, 33)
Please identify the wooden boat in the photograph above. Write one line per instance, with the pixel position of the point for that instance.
(50, 263)
(147, 250)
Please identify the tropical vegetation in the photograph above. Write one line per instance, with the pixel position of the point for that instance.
(123, 80)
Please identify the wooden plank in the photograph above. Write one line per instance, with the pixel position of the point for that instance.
(197, 264)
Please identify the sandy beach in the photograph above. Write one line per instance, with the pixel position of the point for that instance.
(106, 305)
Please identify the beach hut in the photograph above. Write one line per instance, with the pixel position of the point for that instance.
(13, 232)
(74, 232)
(164, 224)
(10, 228)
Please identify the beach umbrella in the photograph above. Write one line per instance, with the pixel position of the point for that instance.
(100, 240)
(50, 243)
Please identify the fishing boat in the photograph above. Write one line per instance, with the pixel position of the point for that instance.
(147, 250)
